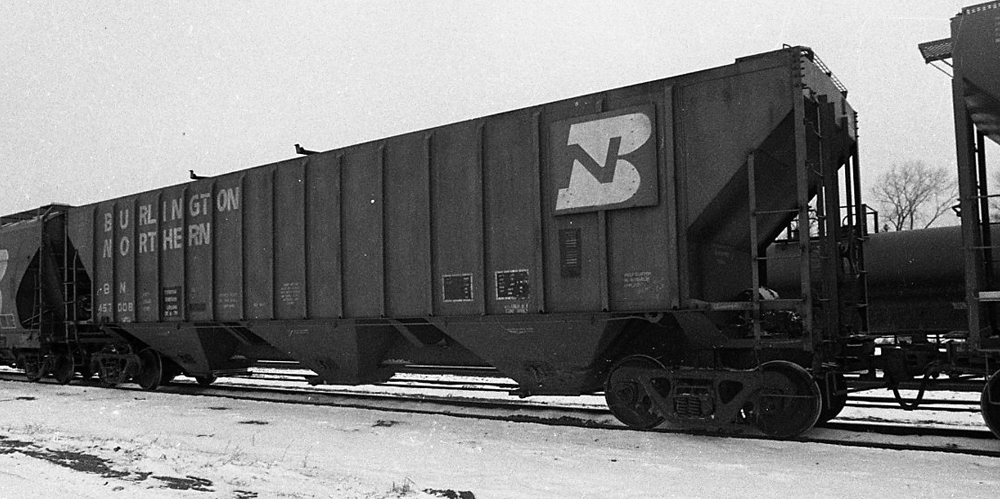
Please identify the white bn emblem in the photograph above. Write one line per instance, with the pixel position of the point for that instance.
(601, 177)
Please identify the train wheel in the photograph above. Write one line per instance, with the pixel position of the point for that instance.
(626, 397)
(205, 380)
(837, 399)
(32, 367)
(63, 371)
(990, 403)
(789, 402)
(150, 370)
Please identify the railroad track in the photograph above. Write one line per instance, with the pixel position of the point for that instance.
(417, 396)
(941, 405)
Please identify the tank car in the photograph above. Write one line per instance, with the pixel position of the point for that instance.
(915, 281)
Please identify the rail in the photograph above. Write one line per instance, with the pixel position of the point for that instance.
(898, 433)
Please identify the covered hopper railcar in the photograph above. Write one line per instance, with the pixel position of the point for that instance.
(602, 242)
(974, 51)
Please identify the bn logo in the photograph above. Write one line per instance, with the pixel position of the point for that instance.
(605, 161)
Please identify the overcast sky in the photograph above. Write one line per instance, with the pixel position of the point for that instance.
(104, 99)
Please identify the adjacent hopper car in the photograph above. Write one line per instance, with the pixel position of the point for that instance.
(613, 242)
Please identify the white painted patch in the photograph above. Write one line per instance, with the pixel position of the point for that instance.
(595, 137)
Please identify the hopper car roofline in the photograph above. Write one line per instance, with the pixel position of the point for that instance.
(32, 214)
(806, 52)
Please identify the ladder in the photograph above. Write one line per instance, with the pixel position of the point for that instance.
(840, 275)
(977, 238)
(70, 287)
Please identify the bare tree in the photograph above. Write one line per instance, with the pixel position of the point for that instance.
(914, 195)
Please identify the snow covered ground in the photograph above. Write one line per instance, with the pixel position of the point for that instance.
(87, 442)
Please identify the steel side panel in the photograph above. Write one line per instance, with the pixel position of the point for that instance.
(227, 236)
(124, 257)
(147, 248)
(290, 245)
(322, 236)
(198, 250)
(407, 231)
(510, 177)
(104, 271)
(457, 210)
(258, 244)
(362, 228)
(173, 291)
